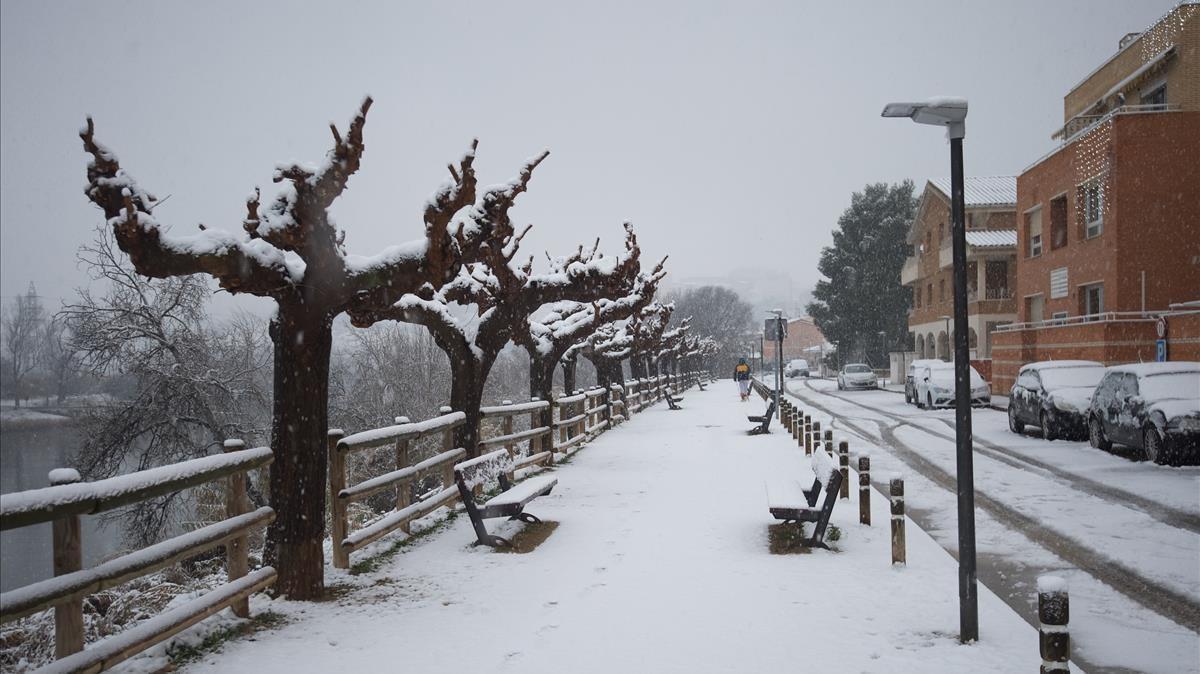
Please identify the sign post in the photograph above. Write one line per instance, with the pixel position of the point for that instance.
(776, 329)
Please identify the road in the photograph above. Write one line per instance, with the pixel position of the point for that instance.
(1126, 532)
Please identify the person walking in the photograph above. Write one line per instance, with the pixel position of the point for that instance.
(741, 374)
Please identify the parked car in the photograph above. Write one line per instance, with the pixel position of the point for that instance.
(856, 376)
(935, 386)
(796, 368)
(1154, 407)
(910, 387)
(1054, 395)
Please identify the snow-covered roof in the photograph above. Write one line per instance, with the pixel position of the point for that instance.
(992, 238)
(981, 191)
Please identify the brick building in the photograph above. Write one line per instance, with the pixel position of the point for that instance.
(803, 339)
(1109, 222)
(990, 204)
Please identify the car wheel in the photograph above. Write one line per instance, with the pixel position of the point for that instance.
(1014, 424)
(1047, 432)
(1096, 435)
(1156, 449)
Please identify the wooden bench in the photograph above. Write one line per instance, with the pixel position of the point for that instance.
(790, 501)
(510, 503)
(673, 401)
(764, 422)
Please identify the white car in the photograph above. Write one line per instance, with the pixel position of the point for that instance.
(910, 378)
(935, 386)
(856, 376)
(796, 368)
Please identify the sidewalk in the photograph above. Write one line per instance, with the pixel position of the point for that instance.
(660, 563)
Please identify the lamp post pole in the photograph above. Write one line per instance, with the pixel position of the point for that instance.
(951, 113)
(968, 594)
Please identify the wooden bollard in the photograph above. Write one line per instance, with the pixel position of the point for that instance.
(1054, 611)
(864, 490)
(896, 488)
(828, 435)
(237, 550)
(806, 436)
(816, 437)
(67, 535)
(843, 462)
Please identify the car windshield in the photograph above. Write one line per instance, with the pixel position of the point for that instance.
(944, 374)
(1071, 377)
(857, 369)
(1181, 385)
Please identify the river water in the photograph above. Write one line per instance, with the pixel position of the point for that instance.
(27, 454)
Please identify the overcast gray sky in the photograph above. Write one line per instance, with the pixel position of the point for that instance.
(729, 133)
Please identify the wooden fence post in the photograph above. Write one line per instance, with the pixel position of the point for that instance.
(506, 427)
(237, 552)
(339, 523)
(864, 490)
(68, 557)
(1054, 611)
(897, 497)
(843, 461)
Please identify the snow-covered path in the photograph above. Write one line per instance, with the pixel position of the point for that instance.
(660, 563)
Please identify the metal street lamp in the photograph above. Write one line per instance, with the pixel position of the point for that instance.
(952, 114)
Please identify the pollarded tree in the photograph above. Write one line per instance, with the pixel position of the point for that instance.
(292, 253)
(606, 349)
(646, 331)
(671, 345)
(551, 336)
(476, 315)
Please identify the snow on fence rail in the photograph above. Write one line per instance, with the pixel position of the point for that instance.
(401, 479)
(67, 499)
(535, 454)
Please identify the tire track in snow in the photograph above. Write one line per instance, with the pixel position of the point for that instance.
(1155, 597)
(1180, 519)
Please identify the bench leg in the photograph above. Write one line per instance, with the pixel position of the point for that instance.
(526, 517)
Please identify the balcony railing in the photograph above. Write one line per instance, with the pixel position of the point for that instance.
(1103, 317)
(989, 294)
(1082, 123)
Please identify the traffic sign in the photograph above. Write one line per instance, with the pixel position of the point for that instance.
(1160, 350)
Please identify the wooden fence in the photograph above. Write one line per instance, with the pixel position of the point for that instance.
(67, 499)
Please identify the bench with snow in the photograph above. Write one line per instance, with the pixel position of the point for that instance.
(791, 501)
(673, 401)
(510, 503)
(764, 422)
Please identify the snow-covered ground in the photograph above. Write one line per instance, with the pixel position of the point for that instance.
(659, 563)
(1121, 530)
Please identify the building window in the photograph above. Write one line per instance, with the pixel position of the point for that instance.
(1034, 305)
(1058, 283)
(1156, 96)
(942, 290)
(917, 298)
(1058, 222)
(1033, 230)
(928, 293)
(941, 231)
(1091, 299)
(1091, 206)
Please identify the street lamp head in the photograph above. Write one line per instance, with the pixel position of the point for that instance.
(942, 111)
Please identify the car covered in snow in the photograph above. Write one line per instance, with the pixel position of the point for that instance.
(910, 386)
(856, 376)
(1054, 395)
(796, 368)
(935, 386)
(1154, 407)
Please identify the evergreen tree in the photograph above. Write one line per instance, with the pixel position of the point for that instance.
(861, 294)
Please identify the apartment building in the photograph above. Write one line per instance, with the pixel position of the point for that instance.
(1108, 223)
(804, 340)
(990, 207)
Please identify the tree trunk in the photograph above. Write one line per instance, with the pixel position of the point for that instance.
(637, 366)
(568, 368)
(466, 395)
(302, 336)
(541, 385)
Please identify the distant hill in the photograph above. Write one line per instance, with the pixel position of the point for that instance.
(764, 289)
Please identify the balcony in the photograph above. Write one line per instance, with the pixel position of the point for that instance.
(908, 273)
(1081, 124)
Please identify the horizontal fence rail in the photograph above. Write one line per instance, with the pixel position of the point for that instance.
(67, 499)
